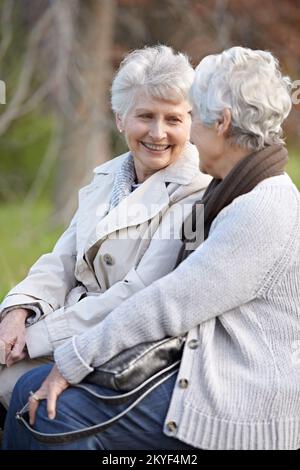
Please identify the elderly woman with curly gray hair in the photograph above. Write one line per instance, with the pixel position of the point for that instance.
(236, 296)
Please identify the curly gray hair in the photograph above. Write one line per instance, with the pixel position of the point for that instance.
(250, 85)
(157, 71)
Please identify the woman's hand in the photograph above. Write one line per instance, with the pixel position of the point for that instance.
(50, 390)
(12, 336)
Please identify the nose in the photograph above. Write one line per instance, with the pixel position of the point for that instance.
(157, 130)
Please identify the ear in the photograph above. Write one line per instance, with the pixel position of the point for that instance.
(119, 122)
(223, 125)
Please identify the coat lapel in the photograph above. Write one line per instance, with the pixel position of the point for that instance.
(141, 205)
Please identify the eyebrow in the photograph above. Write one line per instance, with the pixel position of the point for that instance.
(143, 110)
(171, 113)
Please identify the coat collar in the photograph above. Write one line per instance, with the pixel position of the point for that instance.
(141, 205)
(181, 172)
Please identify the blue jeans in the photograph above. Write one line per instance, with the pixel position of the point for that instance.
(141, 428)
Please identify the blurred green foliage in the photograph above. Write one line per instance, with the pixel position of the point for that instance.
(25, 234)
(293, 167)
(22, 152)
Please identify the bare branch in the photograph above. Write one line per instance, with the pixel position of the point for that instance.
(48, 161)
(223, 23)
(64, 14)
(12, 111)
(6, 27)
(37, 97)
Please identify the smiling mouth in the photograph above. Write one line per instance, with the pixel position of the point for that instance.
(155, 147)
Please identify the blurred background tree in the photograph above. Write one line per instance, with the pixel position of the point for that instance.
(57, 59)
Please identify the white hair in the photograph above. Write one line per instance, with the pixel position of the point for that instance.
(250, 85)
(157, 71)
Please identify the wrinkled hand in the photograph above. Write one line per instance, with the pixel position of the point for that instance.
(50, 390)
(12, 336)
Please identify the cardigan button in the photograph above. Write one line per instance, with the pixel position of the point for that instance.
(108, 259)
(193, 344)
(172, 426)
(183, 383)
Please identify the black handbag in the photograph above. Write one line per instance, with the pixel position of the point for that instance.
(134, 366)
(136, 372)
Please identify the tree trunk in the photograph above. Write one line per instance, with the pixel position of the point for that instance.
(86, 132)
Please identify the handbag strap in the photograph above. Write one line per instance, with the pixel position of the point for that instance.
(125, 396)
(138, 393)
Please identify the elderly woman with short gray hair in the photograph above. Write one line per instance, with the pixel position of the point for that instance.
(236, 295)
(113, 247)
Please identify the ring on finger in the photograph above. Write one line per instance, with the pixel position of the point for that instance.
(34, 396)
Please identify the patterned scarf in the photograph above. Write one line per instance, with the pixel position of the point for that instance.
(123, 182)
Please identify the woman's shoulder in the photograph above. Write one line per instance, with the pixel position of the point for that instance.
(283, 180)
(274, 204)
(278, 190)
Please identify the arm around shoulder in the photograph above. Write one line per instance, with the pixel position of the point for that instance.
(249, 243)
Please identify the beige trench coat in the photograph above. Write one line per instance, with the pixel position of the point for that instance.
(104, 258)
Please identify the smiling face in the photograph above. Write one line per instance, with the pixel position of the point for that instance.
(156, 132)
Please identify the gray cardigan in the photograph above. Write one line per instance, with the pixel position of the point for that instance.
(238, 296)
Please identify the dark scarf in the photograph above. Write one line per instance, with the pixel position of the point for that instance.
(245, 175)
